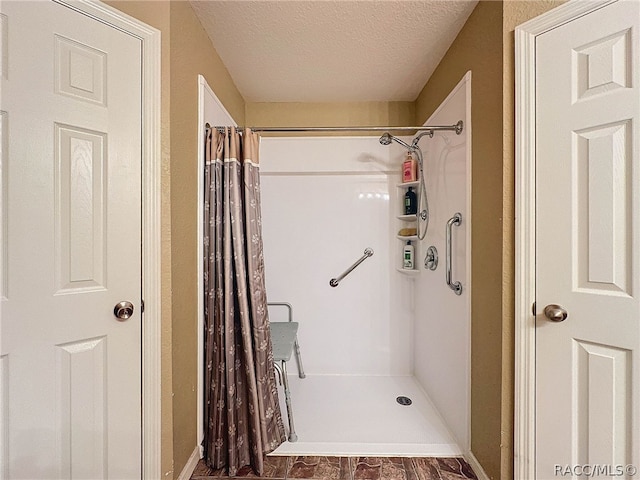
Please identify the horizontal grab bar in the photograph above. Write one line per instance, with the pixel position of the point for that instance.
(367, 253)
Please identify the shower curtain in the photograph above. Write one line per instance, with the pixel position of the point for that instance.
(242, 416)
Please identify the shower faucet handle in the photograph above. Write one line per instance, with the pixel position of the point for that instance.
(431, 258)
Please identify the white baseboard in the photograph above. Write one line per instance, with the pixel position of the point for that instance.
(475, 465)
(188, 469)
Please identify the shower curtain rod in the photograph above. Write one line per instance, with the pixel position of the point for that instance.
(432, 128)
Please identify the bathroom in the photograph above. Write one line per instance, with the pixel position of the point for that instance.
(477, 48)
(385, 330)
(384, 334)
(406, 361)
(385, 374)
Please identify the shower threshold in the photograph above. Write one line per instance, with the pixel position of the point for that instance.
(343, 415)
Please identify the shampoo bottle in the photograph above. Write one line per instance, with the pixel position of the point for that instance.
(410, 202)
(407, 256)
(409, 169)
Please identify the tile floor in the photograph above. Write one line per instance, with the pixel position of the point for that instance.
(351, 468)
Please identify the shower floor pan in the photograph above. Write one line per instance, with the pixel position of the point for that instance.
(359, 415)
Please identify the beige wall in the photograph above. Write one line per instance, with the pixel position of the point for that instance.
(478, 48)
(191, 54)
(330, 114)
(186, 52)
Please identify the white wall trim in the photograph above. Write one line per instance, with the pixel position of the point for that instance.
(468, 128)
(525, 225)
(151, 253)
(524, 407)
(475, 465)
(204, 116)
(202, 85)
(191, 464)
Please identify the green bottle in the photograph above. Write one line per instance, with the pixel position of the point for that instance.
(410, 202)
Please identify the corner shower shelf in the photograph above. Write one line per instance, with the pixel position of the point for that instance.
(408, 184)
(406, 271)
(411, 273)
(407, 237)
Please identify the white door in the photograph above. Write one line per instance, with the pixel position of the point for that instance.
(70, 371)
(588, 245)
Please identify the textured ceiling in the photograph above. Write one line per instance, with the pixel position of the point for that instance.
(331, 51)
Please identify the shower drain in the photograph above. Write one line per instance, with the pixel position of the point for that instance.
(402, 400)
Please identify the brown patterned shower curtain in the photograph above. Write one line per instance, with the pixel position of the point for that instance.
(242, 416)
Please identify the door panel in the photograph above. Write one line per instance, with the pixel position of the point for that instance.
(587, 240)
(602, 166)
(81, 396)
(71, 174)
(80, 209)
(602, 404)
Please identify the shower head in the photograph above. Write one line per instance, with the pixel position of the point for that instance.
(386, 139)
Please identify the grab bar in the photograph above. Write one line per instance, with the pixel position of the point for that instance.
(368, 252)
(455, 286)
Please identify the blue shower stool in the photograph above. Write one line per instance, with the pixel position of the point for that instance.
(284, 340)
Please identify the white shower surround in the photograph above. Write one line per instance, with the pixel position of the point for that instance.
(324, 200)
(442, 321)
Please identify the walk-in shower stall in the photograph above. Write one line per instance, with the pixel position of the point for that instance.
(383, 334)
